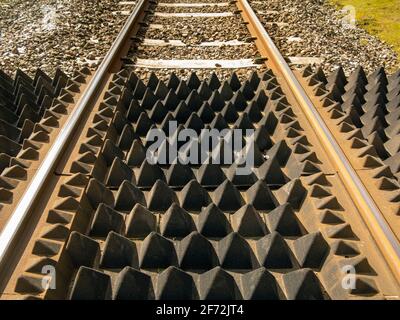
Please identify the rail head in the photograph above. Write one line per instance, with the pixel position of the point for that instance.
(11, 231)
(381, 231)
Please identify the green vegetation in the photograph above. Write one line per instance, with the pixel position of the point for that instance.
(378, 17)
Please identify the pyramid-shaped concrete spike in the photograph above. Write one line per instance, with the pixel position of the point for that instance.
(210, 174)
(165, 123)
(226, 91)
(375, 140)
(136, 155)
(364, 286)
(311, 250)
(140, 222)
(318, 191)
(247, 90)
(240, 179)
(153, 81)
(206, 113)
(229, 113)
(238, 101)
(337, 78)
(374, 99)
(132, 284)
(171, 100)
(394, 163)
(158, 112)
(273, 252)
(302, 285)
(183, 90)
(194, 197)
(176, 222)
(56, 216)
(217, 284)
(194, 122)
(149, 174)
(182, 112)
(197, 253)
(269, 121)
(173, 81)
(393, 145)
(91, 284)
(68, 204)
(78, 243)
(97, 193)
(161, 197)
(179, 175)
(139, 90)
(253, 112)
(193, 81)
(119, 172)
(235, 253)
(259, 285)
(216, 102)
(248, 222)
(234, 82)
(219, 123)
(263, 139)
(284, 221)
(292, 192)
(394, 103)
(254, 80)
(227, 197)
(175, 284)
(126, 138)
(204, 90)
(149, 99)
(359, 76)
(157, 252)
(143, 124)
(194, 100)
(119, 252)
(127, 196)
(212, 222)
(378, 75)
(161, 90)
(243, 122)
(280, 151)
(134, 111)
(360, 264)
(329, 202)
(272, 173)
(393, 116)
(213, 82)
(345, 248)
(393, 129)
(105, 220)
(261, 99)
(260, 196)
(341, 231)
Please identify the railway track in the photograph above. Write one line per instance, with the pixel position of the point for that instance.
(90, 211)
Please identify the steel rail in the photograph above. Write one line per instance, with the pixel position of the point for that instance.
(372, 216)
(9, 235)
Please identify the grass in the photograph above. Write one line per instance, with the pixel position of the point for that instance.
(379, 17)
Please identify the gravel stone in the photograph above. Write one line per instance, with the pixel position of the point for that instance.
(316, 29)
(56, 33)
